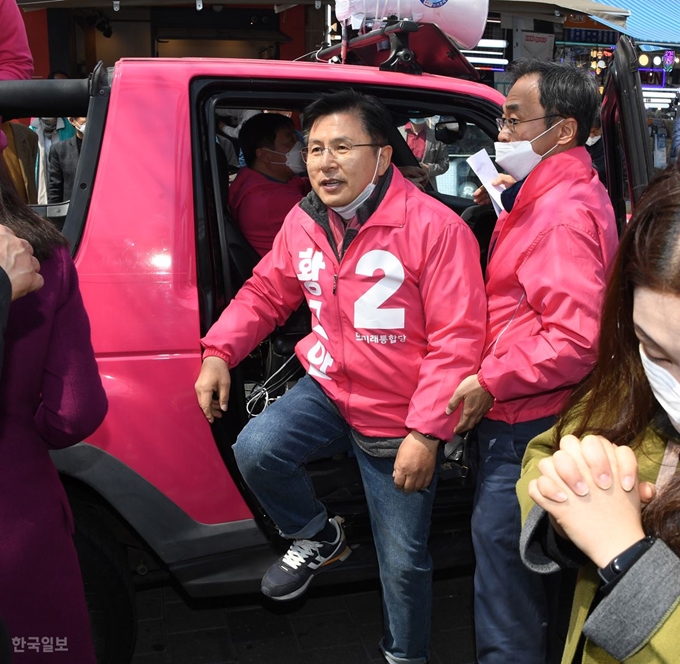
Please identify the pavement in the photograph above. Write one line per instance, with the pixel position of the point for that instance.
(329, 625)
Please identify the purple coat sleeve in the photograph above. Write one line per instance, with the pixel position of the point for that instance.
(5, 301)
(73, 403)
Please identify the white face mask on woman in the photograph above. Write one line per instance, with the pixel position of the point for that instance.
(518, 157)
(348, 211)
(665, 387)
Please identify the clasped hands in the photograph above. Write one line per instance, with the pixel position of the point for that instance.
(591, 491)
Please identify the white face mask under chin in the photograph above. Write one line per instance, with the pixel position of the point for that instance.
(348, 211)
(518, 157)
(665, 387)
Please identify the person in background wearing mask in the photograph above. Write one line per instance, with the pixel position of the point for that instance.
(379, 264)
(595, 149)
(265, 190)
(432, 154)
(549, 257)
(49, 131)
(616, 445)
(64, 162)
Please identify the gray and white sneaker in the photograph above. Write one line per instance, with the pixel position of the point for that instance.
(291, 574)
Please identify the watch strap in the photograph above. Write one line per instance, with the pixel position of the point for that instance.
(613, 572)
(429, 436)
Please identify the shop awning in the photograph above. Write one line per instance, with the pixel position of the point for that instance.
(614, 16)
(650, 21)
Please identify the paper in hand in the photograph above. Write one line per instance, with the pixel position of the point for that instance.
(481, 164)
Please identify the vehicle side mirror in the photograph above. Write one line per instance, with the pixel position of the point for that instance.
(449, 130)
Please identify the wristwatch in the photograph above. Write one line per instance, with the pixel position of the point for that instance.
(429, 437)
(613, 572)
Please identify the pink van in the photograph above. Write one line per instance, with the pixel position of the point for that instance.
(155, 490)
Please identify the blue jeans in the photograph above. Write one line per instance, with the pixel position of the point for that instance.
(511, 606)
(304, 425)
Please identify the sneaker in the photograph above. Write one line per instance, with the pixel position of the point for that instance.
(290, 576)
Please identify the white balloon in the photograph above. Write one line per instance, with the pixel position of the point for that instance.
(462, 20)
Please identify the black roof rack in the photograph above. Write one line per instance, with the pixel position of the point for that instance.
(407, 47)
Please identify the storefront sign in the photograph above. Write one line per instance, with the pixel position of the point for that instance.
(589, 36)
(536, 45)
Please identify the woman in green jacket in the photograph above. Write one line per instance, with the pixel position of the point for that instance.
(614, 451)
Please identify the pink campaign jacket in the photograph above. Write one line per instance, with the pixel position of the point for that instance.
(550, 259)
(16, 61)
(397, 323)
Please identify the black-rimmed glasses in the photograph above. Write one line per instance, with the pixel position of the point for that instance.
(339, 151)
(511, 123)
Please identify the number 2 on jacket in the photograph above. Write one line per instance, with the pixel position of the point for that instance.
(367, 311)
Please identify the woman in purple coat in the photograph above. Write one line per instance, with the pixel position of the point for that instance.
(51, 397)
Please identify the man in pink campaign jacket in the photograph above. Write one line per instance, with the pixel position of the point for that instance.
(16, 61)
(393, 282)
(267, 188)
(550, 254)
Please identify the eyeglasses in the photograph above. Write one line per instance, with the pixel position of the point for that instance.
(511, 123)
(340, 151)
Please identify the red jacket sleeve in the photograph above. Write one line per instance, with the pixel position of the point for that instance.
(16, 62)
(564, 281)
(264, 301)
(454, 307)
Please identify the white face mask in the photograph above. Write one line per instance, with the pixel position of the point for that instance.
(518, 157)
(293, 158)
(81, 128)
(348, 211)
(591, 140)
(665, 387)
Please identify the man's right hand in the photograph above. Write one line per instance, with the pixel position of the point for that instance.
(17, 260)
(481, 195)
(213, 379)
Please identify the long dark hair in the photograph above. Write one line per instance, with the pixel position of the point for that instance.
(661, 518)
(615, 400)
(26, 224)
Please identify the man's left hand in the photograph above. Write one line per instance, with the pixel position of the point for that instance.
(415, 463)
(476, 402)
